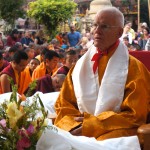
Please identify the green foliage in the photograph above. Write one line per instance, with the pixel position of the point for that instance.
(21, 122)
(10, 10)
(51, 13)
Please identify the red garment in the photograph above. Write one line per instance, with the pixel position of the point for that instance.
(44, 85)
(11, 41)
(100, 53)
(10, 72)
(143, 56)
(63, 70)
(6, 63)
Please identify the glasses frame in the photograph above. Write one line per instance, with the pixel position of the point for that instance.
(104, 27)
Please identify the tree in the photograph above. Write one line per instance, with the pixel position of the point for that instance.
(51, 13)
(10, 10)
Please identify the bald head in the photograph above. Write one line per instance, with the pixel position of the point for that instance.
(115, 14)
(57, 81)
(107, 27)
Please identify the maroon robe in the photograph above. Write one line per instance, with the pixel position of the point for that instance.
(44, 85)
(6, 63)
(10, 72)
(63, 70)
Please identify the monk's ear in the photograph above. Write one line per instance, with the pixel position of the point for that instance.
(120, 32)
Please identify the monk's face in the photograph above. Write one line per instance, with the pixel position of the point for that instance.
(33, 64)
(51, 64)
(31, 54)
(20, 66)
(106, 30)
(71, 60)
(57, 83)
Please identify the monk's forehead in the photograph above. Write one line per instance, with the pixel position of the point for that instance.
(106, 17)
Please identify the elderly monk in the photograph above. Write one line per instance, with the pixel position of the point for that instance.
(107, 93)
(14, 70)
(47, 66)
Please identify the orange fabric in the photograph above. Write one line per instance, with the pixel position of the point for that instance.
(40, 71)
(26, 79)
(134, 108)
(60, 40)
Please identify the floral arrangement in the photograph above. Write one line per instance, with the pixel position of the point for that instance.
(20, 126)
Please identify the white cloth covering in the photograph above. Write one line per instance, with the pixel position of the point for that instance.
(108, 97)
(48, 100)
(63, 140)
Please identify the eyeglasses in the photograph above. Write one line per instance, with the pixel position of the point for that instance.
(103, 26)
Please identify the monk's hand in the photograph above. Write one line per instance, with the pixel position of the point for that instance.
(79, 119)
(77, 131)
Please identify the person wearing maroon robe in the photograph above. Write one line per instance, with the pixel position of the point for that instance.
(14, 70)
(71, 58)
(3, 63)
(47, 84)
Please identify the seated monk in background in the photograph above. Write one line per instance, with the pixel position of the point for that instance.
(3, 63)
(27, 73)
(107, 93)
(47, 66)
(14, 70)
(71, 58)
(40, 57)
(48, 84)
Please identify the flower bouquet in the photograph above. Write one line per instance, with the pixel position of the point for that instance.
(20, 126)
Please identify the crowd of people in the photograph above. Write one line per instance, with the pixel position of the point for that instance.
(136, 40)
(54, 57)
(42, 60)
(92, 101)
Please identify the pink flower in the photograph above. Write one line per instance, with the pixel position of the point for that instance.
(30, 129)
(22, 132)
(23, 143)
(3, 123)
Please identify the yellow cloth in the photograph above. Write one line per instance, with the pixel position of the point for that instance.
(134, 108)
(39, 58)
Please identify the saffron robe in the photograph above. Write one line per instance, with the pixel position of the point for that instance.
(26, 79)
(40, 71)
(108, 124)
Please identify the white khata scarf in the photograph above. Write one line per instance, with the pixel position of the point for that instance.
(91, 97)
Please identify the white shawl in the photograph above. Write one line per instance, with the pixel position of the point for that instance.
(91, 97)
